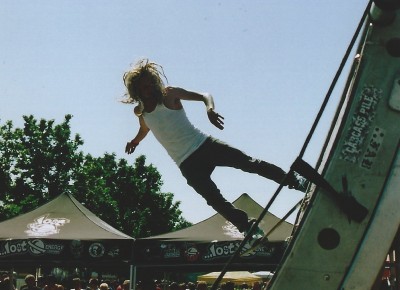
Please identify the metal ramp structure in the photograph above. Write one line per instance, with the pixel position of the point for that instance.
(341, 240)
(349, 219)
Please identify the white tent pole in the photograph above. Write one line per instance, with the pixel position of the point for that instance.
(11, 279)
(38, 274)
(166, 278)
(132, 277)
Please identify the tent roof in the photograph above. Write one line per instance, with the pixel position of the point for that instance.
(61, 218)
(216, 228)
(235, 276)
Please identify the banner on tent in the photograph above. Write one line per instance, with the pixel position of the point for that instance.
(151, 252)
(50, 249)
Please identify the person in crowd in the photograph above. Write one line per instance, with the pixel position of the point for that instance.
(126, 285)
(119, 285)
(104, 286)
(139, 285)
(76, 284)
(41, 282)
(191, 286)
(174, 286)
(30, 283)
(202, 285)
(113, 284)
(256, 286)
(93, 284)
(6, 282)
(158, 285)
(109, 284)
(51, 284)
(230, 285)
(160, 110)
(385, 284)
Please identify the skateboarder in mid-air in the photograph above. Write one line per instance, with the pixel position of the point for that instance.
(160, 110)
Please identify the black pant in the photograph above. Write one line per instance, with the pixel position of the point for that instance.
(197, 169)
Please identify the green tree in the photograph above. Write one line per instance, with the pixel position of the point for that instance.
(38, 162)
(127, 197)
(42, 160)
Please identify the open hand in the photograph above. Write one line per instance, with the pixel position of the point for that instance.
(130, 147)
(216, 119)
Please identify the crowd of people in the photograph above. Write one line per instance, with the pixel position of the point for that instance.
(7, 282)
(50, 283)
(201, 285)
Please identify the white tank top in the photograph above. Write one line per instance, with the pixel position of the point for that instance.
(174, 131)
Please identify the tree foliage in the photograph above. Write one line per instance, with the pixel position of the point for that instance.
(42, 160)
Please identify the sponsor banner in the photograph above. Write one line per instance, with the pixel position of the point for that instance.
(170, 253)
(65, 249)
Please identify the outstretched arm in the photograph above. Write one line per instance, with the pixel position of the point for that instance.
(143, 130)
(173, 94)
(216, 119)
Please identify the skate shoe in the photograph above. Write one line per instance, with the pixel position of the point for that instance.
(297, 182)
(256, 235)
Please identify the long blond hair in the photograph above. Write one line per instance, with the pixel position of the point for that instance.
(132, 77)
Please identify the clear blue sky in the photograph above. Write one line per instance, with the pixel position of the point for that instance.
(267, 63)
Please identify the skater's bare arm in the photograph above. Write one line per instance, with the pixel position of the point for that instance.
(143, 130)
(173, 94)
